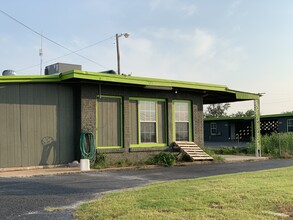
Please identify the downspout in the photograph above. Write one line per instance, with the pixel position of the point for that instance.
(257, 127)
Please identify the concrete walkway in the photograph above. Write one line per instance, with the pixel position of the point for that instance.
(40, 171)
(238, 158)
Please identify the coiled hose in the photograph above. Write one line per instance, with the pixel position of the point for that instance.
(87, 146)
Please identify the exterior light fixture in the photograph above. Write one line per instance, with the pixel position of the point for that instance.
(126, 35)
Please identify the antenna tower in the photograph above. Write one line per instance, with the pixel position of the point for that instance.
(41, 55)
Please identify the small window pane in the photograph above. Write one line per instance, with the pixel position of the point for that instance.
(214, 129)
(182, 120)
(148, 132)
(181, 111)
(182, 130)
(147, 121)
(147, 111)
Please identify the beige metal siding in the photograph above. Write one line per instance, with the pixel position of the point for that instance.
(161, 122)
(10, 148)
(37, 125)
(133, 121)
(66, 124)
(109, 122)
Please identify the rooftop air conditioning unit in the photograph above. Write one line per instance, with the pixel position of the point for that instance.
(60, 68)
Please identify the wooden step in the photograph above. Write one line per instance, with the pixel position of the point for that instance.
(193, 151)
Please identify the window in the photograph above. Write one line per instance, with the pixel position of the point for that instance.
(182, 121)
(147, 121)
(214, 128)
(147, 118)
(290, 125)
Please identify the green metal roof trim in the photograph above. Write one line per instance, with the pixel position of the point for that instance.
(286, 115)
(157, 82)
(144, 81)
(245, 95)
(134, 80)
(228, 118)
(26, 79)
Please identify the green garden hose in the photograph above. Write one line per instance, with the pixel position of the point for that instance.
(87, 146)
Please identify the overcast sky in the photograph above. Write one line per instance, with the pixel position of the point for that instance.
(246, 45)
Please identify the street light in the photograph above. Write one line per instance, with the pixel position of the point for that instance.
(126, 35)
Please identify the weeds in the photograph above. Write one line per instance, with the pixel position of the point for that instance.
(277, 145)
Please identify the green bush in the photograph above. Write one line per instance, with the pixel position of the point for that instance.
(163, 159)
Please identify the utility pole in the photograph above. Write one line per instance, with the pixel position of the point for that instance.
(126, 35)
(41, 55)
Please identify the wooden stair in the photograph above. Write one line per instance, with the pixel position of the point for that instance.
(193, 151)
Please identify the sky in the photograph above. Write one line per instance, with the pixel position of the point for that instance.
(243, 44)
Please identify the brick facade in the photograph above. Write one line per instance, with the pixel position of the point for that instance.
(91, 92)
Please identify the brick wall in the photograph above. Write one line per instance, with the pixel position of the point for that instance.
(90, 92)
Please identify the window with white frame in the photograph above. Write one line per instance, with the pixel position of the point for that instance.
(290, 125)
(147, 118)
(182, 120)
(214, 128)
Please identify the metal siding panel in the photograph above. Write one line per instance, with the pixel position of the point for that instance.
(48, 122)
(65, 124)
(38, 124)
(9, 125)
(161, 122)
(100, 113)
(133, 121)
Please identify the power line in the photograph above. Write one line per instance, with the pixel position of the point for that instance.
(94, 44)
(52, 41)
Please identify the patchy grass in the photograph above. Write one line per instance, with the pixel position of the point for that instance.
(253, 195)
(249, 150)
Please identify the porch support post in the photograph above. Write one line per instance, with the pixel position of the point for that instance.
(257, 127)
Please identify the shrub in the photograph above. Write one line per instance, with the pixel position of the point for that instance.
(164, 159)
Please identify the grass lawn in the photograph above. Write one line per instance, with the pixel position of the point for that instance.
(255, 195)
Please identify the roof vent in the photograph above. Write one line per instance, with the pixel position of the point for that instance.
(8, 73)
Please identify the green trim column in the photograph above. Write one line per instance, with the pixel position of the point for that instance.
(257, 128)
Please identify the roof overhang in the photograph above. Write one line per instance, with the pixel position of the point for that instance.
(211, 93)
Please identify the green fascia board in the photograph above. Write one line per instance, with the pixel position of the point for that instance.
(277, 115)
(245, 95)
(28, 79)
(249, 118)
(144, 81)
(228, 118)
(134, 80)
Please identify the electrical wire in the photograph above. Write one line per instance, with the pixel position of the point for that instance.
(52, 41)
(48, 61)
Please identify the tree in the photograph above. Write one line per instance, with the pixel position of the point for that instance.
(287, 112)
(216, 110)
(248, 113)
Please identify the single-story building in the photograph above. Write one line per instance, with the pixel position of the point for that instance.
(240, 129)
(42, 117)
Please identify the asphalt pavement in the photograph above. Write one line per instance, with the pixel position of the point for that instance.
(56, 196)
